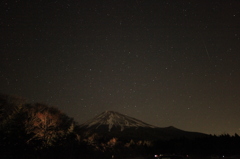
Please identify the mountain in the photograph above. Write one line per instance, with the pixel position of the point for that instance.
(113, 119)
(113, 124)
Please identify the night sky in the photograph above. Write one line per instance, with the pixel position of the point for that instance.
(165, 62)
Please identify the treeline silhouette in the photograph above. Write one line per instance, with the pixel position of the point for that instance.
(36, 130)
(40, 131)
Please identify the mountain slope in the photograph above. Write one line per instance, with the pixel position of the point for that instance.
(113, 124)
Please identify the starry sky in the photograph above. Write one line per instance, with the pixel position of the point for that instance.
(165, 62)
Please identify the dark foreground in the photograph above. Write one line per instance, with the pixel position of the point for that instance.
(12, 156)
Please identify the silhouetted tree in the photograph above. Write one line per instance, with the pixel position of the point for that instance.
(46, 125)
(12, 132)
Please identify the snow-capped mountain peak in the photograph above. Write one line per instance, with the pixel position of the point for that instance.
(114, 119)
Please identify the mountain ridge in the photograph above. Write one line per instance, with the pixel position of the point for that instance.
(115, 119)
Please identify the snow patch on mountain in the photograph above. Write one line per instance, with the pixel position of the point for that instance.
(115, 119)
